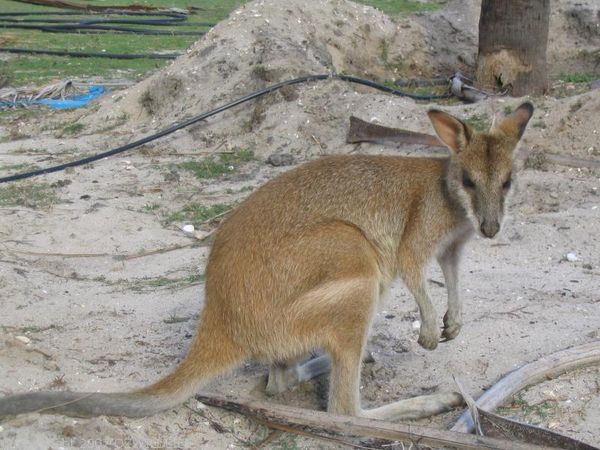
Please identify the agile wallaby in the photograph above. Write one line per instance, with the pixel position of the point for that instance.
(301, 263)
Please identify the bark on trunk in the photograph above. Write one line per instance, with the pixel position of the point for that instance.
(513, 37)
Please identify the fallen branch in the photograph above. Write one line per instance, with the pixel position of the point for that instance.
(317, 423)
(545, 368)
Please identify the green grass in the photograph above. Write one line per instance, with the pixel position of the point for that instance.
(195, 213)
(39, 69)
(578, 77)
(73, 128)
(42, 69)
(403, 7)
(535, 414)
(213, 167)
(29, 195)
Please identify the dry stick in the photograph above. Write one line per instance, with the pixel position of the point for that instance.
(547, 367)
(104, 255)
(321, 422)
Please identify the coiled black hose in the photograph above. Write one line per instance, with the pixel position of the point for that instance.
(205, 115)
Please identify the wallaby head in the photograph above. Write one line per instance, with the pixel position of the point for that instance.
(480, 168)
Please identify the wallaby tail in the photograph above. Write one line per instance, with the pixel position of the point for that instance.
(209, 356)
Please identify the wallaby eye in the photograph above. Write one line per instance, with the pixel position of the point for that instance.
(467, 182)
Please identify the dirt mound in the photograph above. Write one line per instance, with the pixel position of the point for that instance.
(262, 43)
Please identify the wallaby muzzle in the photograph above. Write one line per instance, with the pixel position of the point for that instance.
(489, 228)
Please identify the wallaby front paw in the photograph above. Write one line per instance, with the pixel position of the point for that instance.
(451, 327)
(429, 338)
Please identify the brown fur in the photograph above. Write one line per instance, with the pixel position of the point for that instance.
(302, 262)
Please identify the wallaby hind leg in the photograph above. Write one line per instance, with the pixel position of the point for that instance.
(348, 338)
(283, 376)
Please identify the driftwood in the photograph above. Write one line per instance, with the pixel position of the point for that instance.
(547, 367)
(493, 425)
(317, 423)
(362, 131)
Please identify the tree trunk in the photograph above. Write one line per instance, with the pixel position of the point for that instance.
(513, 36)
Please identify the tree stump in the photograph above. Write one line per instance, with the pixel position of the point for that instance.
(513, 37)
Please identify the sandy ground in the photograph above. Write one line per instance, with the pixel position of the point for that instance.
(99, 292)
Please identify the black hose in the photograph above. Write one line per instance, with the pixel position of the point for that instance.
(210, 113)
(90, 54)
(89, 29)
(92, 25)
(93, 13)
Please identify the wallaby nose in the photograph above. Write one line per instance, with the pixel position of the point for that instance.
(489, 228)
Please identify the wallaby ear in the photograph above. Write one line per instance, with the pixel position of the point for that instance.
(451, 131)
(515, 124)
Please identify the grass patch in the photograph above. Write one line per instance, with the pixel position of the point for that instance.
(40, 69)
(29, 195)
(403, 7)
(149, 207)
(213, 167)
(535, 414)
(143, 284)
(73, 128)
(578, 77)
(479, 122)
(195, 214)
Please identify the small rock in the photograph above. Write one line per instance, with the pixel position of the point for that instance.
(201, 235)
(280, 159)
(189, 229)
(416, 325)
(595, 84)
(572, 257)
(23, 339)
